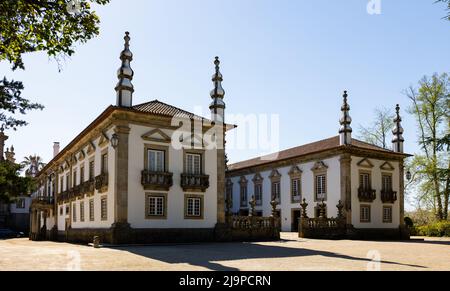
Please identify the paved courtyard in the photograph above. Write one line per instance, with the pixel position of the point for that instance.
(291, 253)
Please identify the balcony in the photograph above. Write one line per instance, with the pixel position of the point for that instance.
(88, 188)
(367, 195)
(63, 197)
(156, 180)
(388, 196)
(43, 202)
(194, 183)
(101, 182)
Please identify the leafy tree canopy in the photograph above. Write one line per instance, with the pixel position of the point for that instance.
(45, 25)
(11, 183)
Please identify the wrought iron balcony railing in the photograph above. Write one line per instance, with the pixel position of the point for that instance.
(388, 196)
(156, 180)
(192, 182)
(101, 182)
(367, 195)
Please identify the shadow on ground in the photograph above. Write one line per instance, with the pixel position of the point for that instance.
(209, 255)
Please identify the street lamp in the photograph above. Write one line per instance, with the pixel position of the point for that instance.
(408, 175)
(115, 141)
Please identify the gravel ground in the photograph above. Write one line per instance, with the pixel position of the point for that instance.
(291, 254)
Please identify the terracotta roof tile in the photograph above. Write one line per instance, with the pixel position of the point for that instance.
(323, 145)
(159, 108)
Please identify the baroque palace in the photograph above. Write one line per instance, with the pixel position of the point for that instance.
(156, 173)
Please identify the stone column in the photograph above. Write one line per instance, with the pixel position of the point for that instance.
(346, 186)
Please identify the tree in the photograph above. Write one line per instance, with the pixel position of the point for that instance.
(32, 164)
(12, 102)
(45, 25)
(39, 25)
(379, 132)
(430, 107)
(448, 7)
(11, 183)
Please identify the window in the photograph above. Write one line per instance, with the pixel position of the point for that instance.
(244, 199)
(61, 211)
(193, 164)
(61, 186)
(194, 207)
(104, 209)
(296, 190)
(387, 183)
(74, 183)
(365, 213)
(81, 174)
(258, 194)
(387, 214)
(276, 191)
(364, 181)
(82, 211)
(67, 210)
(91, 170)
(321, 187)
(67, 182)
(74, 212)
(156, 206)
(20, 203)
(156, 161)
(104, 163)
(91, 210)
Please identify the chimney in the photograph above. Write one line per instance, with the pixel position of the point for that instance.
(56, 148)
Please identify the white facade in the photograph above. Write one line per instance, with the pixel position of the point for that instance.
(333, 181)
(175, 216)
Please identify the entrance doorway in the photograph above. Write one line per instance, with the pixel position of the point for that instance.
(296, 213)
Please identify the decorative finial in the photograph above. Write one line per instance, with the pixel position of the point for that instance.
(345, 131)
(125, 74)
(217, 107)
(398, 140)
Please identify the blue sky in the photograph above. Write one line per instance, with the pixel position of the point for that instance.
(292, 58)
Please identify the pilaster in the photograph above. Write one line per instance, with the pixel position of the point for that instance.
(121, 175)
(346, 186)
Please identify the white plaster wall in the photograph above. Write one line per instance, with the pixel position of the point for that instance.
(377, 205)
(15, 210)
(97, 223)
(175, 197)
(307, 190)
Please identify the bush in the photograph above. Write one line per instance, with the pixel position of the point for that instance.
(409, 222)
(438, 229)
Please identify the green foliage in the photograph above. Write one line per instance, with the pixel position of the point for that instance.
(409, 222)
(430, 168)
(11, 183)
(11, 103)
(32, 165)
(448, 7)
(44, 25)
(438, 229)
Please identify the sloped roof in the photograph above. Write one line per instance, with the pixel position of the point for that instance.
(160, 108)
(316, 147)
